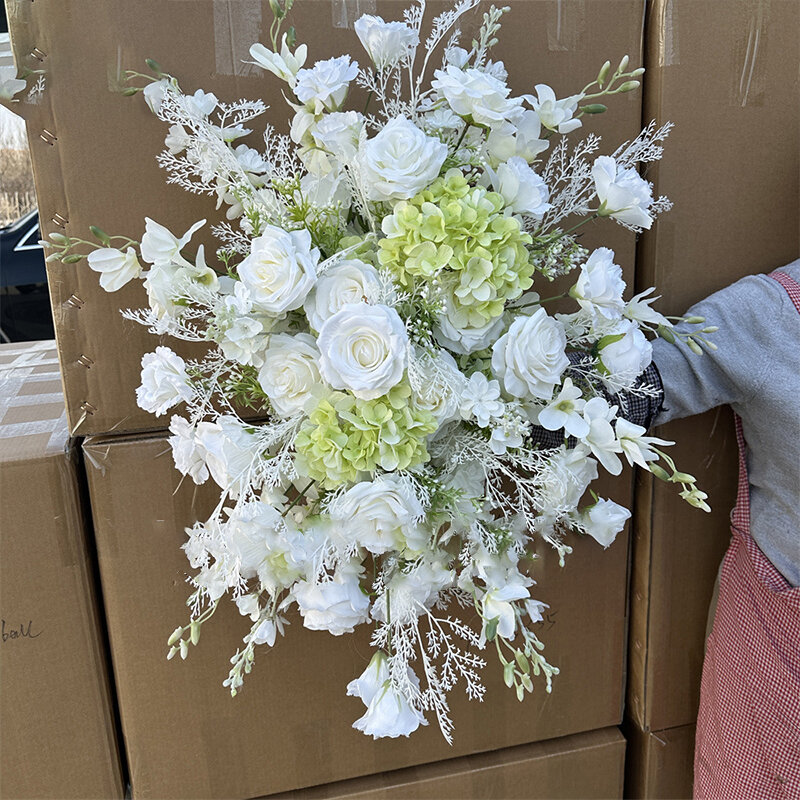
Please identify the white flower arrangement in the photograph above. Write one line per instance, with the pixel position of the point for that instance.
(372, 303)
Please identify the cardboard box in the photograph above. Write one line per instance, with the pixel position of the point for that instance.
(586, 765)
(94, 150)
(290, 727)
(58, 733)
(659, 764)
(725, 73)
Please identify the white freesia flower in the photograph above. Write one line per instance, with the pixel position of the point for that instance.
(625, 354)
(349, 281)
(464, 339)
(497, 605)
(476, 95)
(601, 438)
(186, 451)
(363, 349)
(10, 84)
(229, 450)
(285, 65)
(324, 86)
(159, 246)
(555, 115)
(604, 520)
(280, 269)
(638, 309)
(290, 372)
(636, 446)
(522, 138)
(400, 161)
(387, 43)
(524, 191)
(600, 286)
(337, 605)
(164, 382)
(530, 357)
(565, 411)
(338, 133)
(622, 193)
(481, 399)
(379, 515)
(115, 267)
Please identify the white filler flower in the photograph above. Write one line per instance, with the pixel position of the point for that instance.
(387, 43)
(623, 194)
(164, 382)
(364, 349)
(290, 372)
(400, 161)
(350, 281)
(280, 270)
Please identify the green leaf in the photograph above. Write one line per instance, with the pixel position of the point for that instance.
(491, 629)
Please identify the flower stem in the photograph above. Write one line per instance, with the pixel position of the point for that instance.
(299, 497)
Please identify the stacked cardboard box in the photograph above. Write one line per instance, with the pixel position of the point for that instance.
(725, 73)
(58, 732)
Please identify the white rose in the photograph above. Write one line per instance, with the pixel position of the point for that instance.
(464, 339)
(337, 605)
(521, 138)
(164, 382)
(379, 515)
(115, 267)
(290, 372)
(338, 133)
(187, 454)
(529, 359)
(385, 42)
(400, 161)
(363, 349)
(389, 715)
(604, 520)
(324, 86)
(229, 451)
(285, 65)
(159, 246)
(623, 194)
(524, 191)
(280, 270)
(625, 353)
(475, 95)
(555, 115)
(349, 281)
(440, 386)
(600, 286)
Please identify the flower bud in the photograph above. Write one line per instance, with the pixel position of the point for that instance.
(694, 320)
(665, 333)
(175, 635)
(194, 632)
(629, 86)
(694, 347)
(623, 65)
(59, 238)
(637, 72)
(603, 74)
(659, 472)
(594, 108)
(683, 477)
(72, 259)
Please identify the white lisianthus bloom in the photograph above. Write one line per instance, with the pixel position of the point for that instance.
(338, 133)
(229, 450)
(159, 246)
(638, 309)
(464, 339)
(349, 281)
(636, 446)
(555, 115)
(601, 438)
(164, 382)
(280, 269)
(521, 138)
(440, 385)
(371, 680)
(600, 286)
(497, 604)
(324, 86)
(529, 359)
(480, 399)
(604, 520)
(290, 372)
(625, 354)
(565, 411)
(387, 43)
(400, 161)
(285, 65)
(622, 193)
(115, 267)
(363, 348)
(574, 469)
(10, 84)
(337, 605)
(524, 191)
(476, 96)
(186, 451)
(389, 715)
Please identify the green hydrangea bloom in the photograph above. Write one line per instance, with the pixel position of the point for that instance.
(461, 234)
(345, 436)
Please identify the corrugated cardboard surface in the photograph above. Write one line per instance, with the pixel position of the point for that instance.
(659, 764)
(291, 725)
(585, 766)
(94, 151)
(58, 736)
(725, 71)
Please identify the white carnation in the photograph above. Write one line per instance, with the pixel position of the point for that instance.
(524, 191)
(349, 281)
(600, 286)
(290, 372)
(164, 382)
(324, 86)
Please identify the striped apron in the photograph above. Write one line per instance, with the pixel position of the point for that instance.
(748, 728)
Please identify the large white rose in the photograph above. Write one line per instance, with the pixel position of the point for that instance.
(164, 382)
(625, 353)
(400, 161)
(604, 520)
(529, 359)
(555, 115)
(290, 372)
(524, 191)
(600, 286)
(229, 450)
(623, 194)
(280, 270)
(337, 605)
(385, 42)
(349, 281)
(324, 86)
(475, 95)
(363, 349)
(380, 515)
(115, 267)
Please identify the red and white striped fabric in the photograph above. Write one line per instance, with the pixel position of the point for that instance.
(748, 728)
